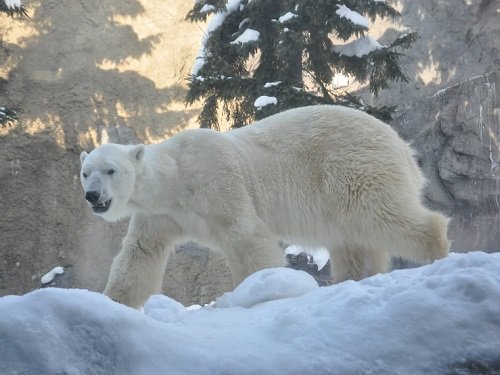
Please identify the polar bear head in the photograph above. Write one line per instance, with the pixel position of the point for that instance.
(108, 176)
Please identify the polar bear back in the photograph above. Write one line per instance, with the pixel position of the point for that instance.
(333, 155)
(306, 172)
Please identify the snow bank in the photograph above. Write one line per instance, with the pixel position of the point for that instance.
(437, 319)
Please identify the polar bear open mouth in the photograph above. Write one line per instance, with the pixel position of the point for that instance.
(101, 207)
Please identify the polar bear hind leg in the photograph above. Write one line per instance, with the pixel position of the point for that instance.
(411, 232)
(423, 238)
(353, 262)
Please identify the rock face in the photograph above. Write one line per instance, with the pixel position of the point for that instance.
(88, 72)
(84, 73)
(449, 110)
(459, 147)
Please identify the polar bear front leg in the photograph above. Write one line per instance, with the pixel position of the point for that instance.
(137, 270)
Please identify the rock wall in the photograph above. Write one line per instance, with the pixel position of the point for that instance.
(84, 73)
(88, 72)
(459, 144)
(449, 110)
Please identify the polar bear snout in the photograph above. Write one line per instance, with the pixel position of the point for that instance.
(92, 196)
(99, 205)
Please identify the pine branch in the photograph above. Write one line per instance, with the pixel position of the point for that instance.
(8, 116)
(404, 41)
(203, 8)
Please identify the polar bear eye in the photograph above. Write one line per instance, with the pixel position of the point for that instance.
(84, 175)
(111, 171)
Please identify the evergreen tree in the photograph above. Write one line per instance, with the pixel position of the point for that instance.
(10, 7)
(282, 53)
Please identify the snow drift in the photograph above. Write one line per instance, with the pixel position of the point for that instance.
(437, 319)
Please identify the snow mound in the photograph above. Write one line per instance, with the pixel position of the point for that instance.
(267, 285)
(442, 318)
(164, 309)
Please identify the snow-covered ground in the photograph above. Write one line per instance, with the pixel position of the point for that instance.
(442, 318)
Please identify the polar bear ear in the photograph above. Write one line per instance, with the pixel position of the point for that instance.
(137, 153)
(83, 155)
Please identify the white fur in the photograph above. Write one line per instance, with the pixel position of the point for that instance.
(314, 176)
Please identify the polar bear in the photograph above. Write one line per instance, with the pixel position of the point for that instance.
(314, 176)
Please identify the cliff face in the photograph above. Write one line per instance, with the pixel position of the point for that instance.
(87, 72)
(450, 112)
(459, 144)
(84, 72)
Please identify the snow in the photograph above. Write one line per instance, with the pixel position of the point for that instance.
(243, 23)
(287, 17)
(12, 4)
(207, 8)
(214, 24)
(49, 276)
(267, 285)
(263, 100)
(249, 35)
(359, 47)
(437, 319)
(352, 16)
(340, 80)
(320, 255)
(271, 84)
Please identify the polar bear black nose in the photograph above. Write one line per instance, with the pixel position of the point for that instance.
(92, 196)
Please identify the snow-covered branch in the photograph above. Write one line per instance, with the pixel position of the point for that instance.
(12, 7)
